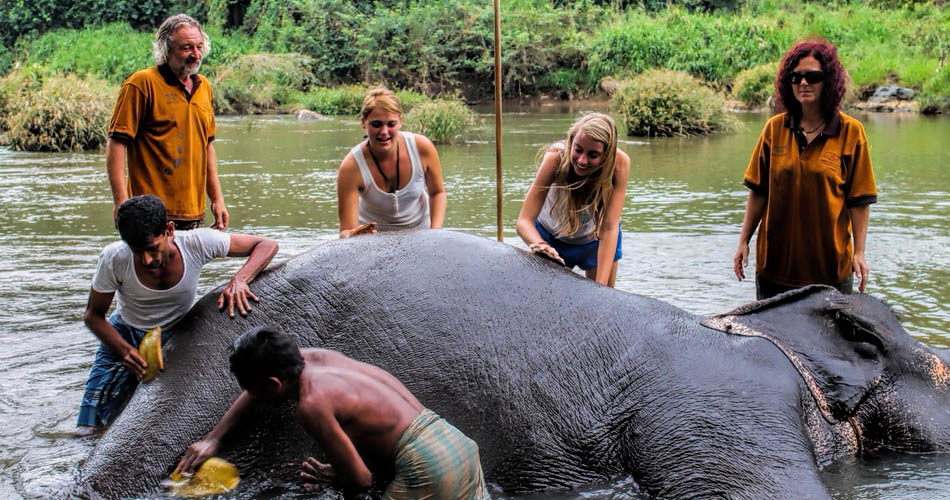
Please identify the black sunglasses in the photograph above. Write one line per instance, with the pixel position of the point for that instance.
(810, 76)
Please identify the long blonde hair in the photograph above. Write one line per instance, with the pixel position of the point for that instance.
(593, 191)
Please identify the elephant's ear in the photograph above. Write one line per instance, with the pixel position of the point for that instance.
(838, 351)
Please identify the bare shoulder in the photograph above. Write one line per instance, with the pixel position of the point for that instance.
(622, 165)
(550, 162)
(348, 164)
(318, 355)
(424, 144)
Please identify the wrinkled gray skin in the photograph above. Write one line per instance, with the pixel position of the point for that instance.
(561, 381)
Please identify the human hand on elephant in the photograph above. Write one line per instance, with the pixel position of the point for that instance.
(197, 453)
(740, 259)
(547, 251)
(368, 228)
(316, 473)
(237, 292)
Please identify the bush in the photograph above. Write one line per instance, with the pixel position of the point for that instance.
(13, 88)
(345, 100)
(65, 114)
(443, 121)
(755, 85)
(112, 52)
(257, 83)
(935, 96)
(348, 99)
(670, 103)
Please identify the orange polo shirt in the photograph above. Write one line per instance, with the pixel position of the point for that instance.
(805, 231)
(167, 131)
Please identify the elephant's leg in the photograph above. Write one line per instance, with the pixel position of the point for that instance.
(739, 444)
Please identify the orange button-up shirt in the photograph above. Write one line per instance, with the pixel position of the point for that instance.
(805, 232)
(167, 131)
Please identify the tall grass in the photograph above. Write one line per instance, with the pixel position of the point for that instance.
(64, 114)
(755, 85)
(443, 121)
(670, 103)
(114, 51)
(443, 46)
(348, 99)
(257, 83)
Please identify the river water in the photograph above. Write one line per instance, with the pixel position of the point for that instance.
(681, 221)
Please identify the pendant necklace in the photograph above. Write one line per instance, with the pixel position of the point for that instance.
(812, 131)
(392, 189)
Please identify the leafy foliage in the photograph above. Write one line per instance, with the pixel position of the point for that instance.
(348, 99)
(670, 103)
(755, 85)
(64, 114)
(256, 83)
(443, 121)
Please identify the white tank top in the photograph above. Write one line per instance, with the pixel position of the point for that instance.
(407, 208)
(585, 216)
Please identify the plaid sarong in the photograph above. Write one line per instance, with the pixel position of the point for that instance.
(110, 385)
(435, 461)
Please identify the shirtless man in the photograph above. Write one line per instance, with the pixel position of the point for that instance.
(354, 411)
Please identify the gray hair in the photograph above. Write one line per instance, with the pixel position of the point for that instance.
(162, 44)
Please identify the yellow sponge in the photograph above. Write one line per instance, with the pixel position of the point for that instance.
(214, 477)
(150, 349)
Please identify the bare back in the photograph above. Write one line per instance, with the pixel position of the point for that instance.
(371, 406)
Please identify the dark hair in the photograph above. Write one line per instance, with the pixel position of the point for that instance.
(141, 219)
(834, 85)
(264, 352)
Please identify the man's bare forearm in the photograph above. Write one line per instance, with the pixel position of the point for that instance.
(115, 169)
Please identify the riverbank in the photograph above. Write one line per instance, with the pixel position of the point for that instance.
(270, 57)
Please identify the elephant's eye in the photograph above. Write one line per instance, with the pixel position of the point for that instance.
(867, 343)
(866, 351)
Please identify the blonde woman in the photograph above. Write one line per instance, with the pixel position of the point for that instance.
(572, 210)
(393, 179)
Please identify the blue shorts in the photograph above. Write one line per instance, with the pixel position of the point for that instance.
(110, 385)
(584, 255)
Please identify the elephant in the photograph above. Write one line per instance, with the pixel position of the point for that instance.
(561, 382)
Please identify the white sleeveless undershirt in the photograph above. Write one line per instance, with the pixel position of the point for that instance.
(549, 220)
(407, 208)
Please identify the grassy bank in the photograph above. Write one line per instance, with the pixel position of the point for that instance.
(445, 46)
(272, 55)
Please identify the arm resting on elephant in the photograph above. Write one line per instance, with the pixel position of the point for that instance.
(259, 252)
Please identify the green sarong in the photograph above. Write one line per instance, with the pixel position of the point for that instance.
(435, 461)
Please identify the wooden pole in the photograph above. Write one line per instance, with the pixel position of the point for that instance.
(498, 115)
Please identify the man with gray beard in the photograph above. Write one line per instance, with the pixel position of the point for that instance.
(163, 128)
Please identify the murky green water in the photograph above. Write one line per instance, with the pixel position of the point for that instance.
(681, 222)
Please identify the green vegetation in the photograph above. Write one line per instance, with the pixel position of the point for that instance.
(348, 99)
(755, 85)
(64, 114)
(281, 55)
(257, 83)
(661, 102)
(443, 121)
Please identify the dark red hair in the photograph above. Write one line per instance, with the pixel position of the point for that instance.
(834, 85)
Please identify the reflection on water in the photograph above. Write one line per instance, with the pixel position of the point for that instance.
(681, 222)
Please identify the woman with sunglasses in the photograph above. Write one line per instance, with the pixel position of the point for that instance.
(393, 179)
(810, 182)
(571, 213)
